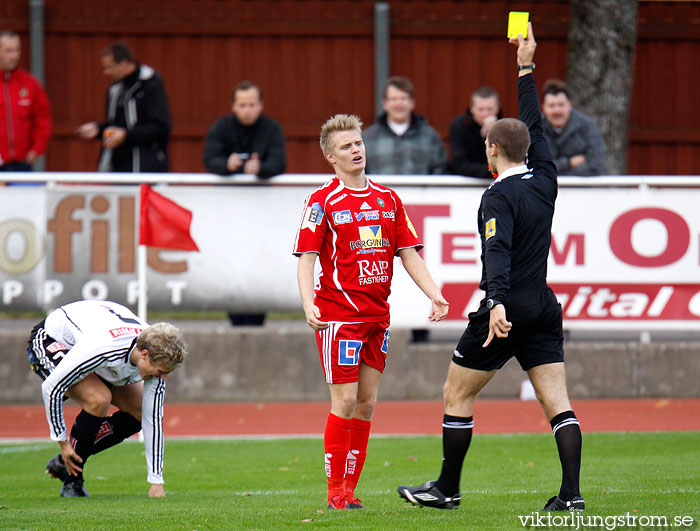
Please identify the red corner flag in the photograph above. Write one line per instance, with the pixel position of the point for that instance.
(164, 223)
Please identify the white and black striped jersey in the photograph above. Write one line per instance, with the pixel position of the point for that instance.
(100, 336)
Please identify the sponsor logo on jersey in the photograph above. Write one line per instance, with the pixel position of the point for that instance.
(313, 217)
(388, 214)
(373, 271)
(125, 331)
(380, 202)
(370, 251)
(341, 217)
(56, 347)
(338, 199)
(370, 236)
(365, 206)
(368, 216)
(490, 228)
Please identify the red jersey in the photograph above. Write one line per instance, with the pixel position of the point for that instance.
(356, 233)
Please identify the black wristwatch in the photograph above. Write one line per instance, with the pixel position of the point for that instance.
(531, 66)
(490, 303)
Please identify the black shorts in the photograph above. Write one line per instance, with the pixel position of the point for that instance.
(536, 338)
(44, 352)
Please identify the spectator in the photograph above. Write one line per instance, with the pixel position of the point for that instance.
(573, 137)
(245, 141)
(25, 120)
(400, 142)
(468, 132)
(136, 131)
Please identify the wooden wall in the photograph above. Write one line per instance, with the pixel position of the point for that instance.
(315, 58)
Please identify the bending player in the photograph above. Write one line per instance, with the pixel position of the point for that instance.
(356, 227)
(99, 353)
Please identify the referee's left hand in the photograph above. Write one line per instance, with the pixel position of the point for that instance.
(498, 325)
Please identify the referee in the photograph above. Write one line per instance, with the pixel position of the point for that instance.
(520, 315)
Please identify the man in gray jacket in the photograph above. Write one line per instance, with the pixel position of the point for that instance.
(401, 142)
(574, 138)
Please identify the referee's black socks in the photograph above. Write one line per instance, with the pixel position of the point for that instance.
(567, 432)
(456, 436)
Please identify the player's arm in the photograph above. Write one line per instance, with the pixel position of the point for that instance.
(152, 426)
(305, 279)
(418, 271)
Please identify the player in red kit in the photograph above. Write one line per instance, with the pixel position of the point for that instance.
(355, 227)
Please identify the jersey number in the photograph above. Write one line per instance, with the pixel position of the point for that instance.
(349, 352)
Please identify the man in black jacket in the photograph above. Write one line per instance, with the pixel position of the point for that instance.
(468, 131)
(246, 141)
(515, 221)
(136, 131)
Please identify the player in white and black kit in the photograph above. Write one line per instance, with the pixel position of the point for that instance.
(99, 354)
(515, 222)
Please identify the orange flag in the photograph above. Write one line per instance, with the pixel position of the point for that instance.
(164, 223)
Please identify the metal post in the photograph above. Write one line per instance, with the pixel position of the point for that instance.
(36, 46)
(381, 52)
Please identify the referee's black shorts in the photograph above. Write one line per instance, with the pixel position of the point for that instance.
(536, 337)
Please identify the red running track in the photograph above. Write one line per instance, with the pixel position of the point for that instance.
(390, 418)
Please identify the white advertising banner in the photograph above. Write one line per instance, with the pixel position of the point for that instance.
(621, 256)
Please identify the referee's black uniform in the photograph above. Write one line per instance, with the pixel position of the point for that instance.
(515, 221)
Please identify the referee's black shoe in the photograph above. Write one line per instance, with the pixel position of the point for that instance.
(555, 503)
(428, 495)
(74, 488)
(57, 468)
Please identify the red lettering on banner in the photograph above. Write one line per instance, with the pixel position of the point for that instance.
(418, 213)
(573, 241)
(612, 302)
(451, 247)
(677, 241)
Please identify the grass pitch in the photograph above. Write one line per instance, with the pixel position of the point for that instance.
(272, 484)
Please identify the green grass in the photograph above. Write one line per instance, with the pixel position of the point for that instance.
(272, 484)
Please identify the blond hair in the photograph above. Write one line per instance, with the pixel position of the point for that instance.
(336, 124)
(164, 344)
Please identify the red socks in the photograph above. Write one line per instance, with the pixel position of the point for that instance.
(345, 446)
(359, 435)
(336, 442)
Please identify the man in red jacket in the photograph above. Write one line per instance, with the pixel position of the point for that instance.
(25, 113)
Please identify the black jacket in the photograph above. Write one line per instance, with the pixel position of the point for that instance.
(515, 215)
(228, 136)
(138, 104)
(467, 147)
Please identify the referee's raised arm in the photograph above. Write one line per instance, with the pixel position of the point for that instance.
(528, 102)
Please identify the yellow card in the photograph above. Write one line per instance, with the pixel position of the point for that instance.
(517, 23)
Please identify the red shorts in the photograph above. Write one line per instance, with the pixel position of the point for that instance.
(342, 346)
